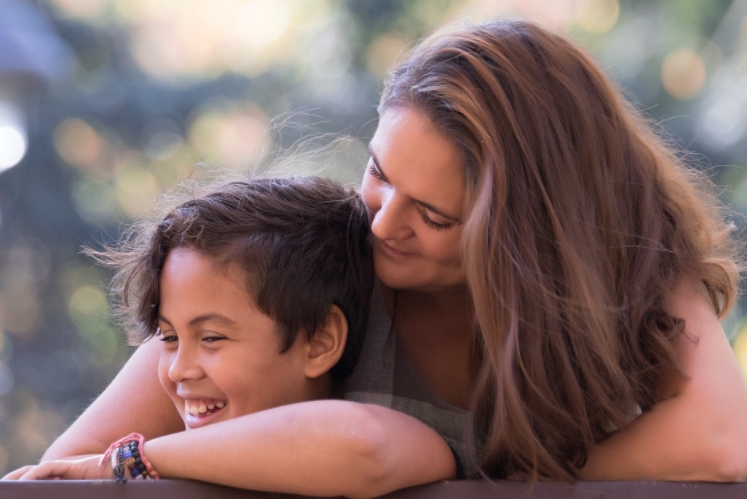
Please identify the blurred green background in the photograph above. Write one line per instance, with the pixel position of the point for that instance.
(105, 104)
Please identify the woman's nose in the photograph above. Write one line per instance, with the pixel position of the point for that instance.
(184, 366)
(390, 220)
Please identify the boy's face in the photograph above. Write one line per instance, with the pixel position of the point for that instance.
(220, 355)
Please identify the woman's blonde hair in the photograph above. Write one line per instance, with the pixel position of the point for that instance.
(581, 221)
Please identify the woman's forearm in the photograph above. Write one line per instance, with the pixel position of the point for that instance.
(133, 402)
(672, 443)
(327, 447)
(698, 434)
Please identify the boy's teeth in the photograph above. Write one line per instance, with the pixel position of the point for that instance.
(201, 407)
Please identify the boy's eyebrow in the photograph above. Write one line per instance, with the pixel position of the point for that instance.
(450, 218)
(204, 318)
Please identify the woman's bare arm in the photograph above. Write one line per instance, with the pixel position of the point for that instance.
(700, 433)
(133, 402)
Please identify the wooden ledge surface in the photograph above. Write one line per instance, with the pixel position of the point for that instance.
(466, 489)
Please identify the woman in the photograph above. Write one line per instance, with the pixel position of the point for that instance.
(534, 235)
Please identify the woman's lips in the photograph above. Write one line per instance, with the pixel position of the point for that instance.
(390, 250)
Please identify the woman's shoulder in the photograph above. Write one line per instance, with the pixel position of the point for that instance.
(691, 301)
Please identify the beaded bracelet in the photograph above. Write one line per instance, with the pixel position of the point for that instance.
(126, 454)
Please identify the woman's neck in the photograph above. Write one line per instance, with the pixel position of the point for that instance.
(436, 330)
(450, 308)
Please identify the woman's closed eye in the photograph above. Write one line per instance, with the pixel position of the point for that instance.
(374, 171)
(432, 223)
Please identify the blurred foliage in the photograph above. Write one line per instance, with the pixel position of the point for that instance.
(159, 88)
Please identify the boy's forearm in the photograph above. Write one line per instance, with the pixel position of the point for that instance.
(317, 448)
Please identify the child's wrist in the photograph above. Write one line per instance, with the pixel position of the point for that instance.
(127, 459)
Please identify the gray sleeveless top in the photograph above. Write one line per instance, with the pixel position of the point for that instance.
(386, 376)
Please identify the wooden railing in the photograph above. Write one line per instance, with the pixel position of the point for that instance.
(467, 489)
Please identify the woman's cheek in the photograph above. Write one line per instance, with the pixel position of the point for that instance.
(447, 249)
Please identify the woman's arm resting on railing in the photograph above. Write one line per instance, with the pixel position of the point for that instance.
(700, 433)
(133, 402)
(326, 447)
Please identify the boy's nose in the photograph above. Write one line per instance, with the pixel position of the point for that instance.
(184, 366)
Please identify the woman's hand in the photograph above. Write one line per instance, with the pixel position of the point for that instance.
(83, 468)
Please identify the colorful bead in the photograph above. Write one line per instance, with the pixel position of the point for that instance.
(126, 454)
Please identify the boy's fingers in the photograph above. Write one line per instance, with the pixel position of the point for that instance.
(46, 470)
(17, 474)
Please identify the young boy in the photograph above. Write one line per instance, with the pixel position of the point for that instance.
(259, 292)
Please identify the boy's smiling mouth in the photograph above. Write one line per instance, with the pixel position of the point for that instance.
(199, 412)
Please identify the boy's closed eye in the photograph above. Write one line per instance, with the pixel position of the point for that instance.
(171, 337)
(166, 336)
(213, 338)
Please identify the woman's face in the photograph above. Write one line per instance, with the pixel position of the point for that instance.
(415, 194)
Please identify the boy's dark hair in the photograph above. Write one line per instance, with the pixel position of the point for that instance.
(302, 241)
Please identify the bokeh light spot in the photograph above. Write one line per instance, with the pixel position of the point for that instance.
(262, 22)
(724, 122)
(12, 146)
(161, 139)
(385, 52)
(78, 143)
(84, 9)
(136, 190)
(233, 137)
(94, 200)
(20, 305)
(740, 349)
(683, 74)
(105, 342)
(88, 310)
(597, 16)
(30, 260)
(176, 38)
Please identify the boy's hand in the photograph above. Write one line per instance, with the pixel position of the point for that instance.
(83, 468)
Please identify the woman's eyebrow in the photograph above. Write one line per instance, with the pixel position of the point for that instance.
(425, 205)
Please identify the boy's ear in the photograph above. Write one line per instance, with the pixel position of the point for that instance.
(325, 347)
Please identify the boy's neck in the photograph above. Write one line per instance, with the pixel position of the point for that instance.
(323, 388)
